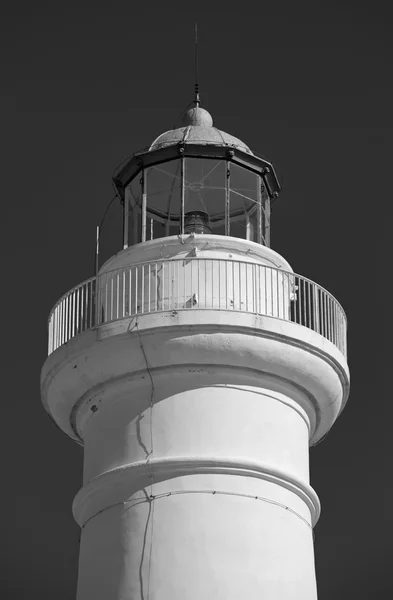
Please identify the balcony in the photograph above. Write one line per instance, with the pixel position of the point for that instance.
(194, 283)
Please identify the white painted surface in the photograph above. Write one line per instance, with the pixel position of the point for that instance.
(196, 427)
(207, 246)
(251, 537)
(198, 545)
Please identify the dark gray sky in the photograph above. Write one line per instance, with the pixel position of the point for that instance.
(308, 85)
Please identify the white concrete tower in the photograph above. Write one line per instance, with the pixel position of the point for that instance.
(196, 369)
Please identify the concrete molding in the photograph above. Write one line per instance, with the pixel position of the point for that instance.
(117, 485)
(279, 386)
(223, 338)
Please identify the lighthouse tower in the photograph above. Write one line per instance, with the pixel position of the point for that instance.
(196, 369)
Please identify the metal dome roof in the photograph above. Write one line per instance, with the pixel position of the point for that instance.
(196, 138)
(198, 129)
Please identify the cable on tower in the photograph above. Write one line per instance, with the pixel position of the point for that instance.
(99, 227)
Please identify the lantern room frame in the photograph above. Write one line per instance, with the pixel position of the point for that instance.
(138, 165)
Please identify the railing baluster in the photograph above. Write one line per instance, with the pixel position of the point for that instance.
(172, 286)
(328, 317)
(205, 269)
(219, 283)
(86, 296)
(308, 310)
(284, 299)
(326, 313)
(82, 315)
(63, 322)
(156, 288)
(304, 300)
(57, 339)
(143, 289)
(163, 285)
(170, 289)
(233, 284)
(136, 289)
(111, 302)
(226, 291)
(297, 293)
(123, 312)
(149, 288)
(253, 287)
(320, 310)
(50, 335)
(55, 344)
(198, 289)
(332, 321)
(60, 324)
(67, 327)
(212, 287)
(74, 314)
(52, 332)
(184, 270)
(313, 306)
(117, 294)
(78, 327)
(246, 268)
(178, 284)
(68, 317)
(71, 333)
(240, 284)
(66, 320)
(130, 291)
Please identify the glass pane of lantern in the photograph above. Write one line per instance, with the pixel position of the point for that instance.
(163, 188)
(134, 196)
(204, 198)
(244, 194)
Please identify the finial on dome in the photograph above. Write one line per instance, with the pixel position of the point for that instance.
(197, 116)
(197, 100)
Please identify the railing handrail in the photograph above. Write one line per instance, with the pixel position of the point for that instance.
(314, 307)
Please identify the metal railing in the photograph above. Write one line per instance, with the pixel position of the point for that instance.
(196, 283)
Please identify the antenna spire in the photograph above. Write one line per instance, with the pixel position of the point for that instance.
(197, 100)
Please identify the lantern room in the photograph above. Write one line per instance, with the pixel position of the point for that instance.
(196, 179)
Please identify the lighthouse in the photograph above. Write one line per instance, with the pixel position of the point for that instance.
(196, 369)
